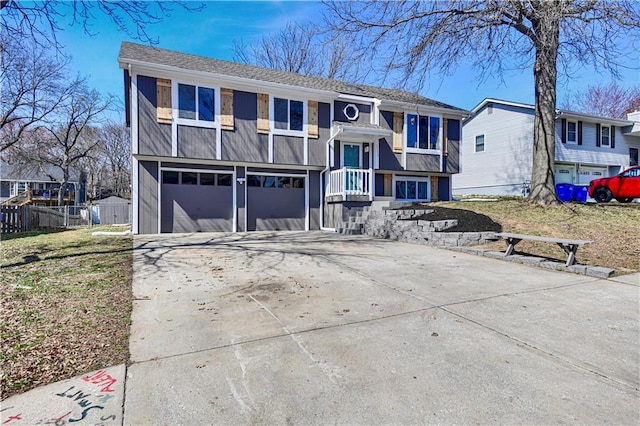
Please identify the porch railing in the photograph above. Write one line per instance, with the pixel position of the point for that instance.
(346, 182)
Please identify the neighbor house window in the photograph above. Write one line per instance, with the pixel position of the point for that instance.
(572, 132)
(633, 156)
(605, 136)
(196, 103)
(287, 114)
(412, 189)
(423, 132)
(480, 143)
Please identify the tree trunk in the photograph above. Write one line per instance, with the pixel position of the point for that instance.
(544, 131)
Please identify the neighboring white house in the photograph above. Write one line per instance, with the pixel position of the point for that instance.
(496, 151)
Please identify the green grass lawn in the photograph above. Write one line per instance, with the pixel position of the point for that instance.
(66, 305)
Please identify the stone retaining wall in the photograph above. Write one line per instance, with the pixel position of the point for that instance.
(397, 225)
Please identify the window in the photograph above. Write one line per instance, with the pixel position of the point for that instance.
(224, 180)
(351, 112)
(423, 132)
(480, 143)
(195, 103)
(633, 156)
(275, 181)
(572, 132)
(170, 177)
(604, 136)
(412, 189)
(189, 178)
(288, 114)
(207, 179)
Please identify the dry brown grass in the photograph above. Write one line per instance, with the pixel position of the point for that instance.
(66, 306)
(614, 227)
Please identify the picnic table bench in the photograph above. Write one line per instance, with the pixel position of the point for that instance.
(570, 247)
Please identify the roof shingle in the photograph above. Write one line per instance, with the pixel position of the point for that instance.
(153, 55)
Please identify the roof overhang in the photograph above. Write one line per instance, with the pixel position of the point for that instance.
(363, 131)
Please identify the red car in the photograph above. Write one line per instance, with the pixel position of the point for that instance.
(623, 187)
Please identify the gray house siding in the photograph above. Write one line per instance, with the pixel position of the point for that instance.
(318, 147)
(244, 143)
(423, 162)
(148, 196)
(153, 138)
(241, 173)
(364, 116)
(288, 150)
(314, 200)
(453, 146)
(196, 142)
(388, 159)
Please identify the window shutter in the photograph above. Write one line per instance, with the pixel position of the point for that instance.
(579, 132)
(312, 126)
(445, 137)
(163, 99)
(612, 137)
(263, 113)
(564, 131)
(388, 185)
(597, 135)
(398, 122)
(226, 109)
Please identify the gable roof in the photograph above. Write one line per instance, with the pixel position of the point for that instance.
(559, 112)
(132, 52)
(31, 173)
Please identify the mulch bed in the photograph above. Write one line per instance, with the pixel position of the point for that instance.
(468, 221)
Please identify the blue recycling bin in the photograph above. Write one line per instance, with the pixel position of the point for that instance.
(580, 193)
(564, 191)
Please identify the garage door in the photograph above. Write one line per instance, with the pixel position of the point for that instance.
(196, 202)
(587, 174)
(564, 174)
(275, 203)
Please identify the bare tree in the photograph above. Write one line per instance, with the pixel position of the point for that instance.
(114, 157)
(611, 100)
(33, 85)
(69, 137)
(494, 35)
(302, 49)
(40, 21)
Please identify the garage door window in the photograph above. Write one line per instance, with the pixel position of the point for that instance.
(195, 178)
(275, 181)
(189, 178)
(171, 178)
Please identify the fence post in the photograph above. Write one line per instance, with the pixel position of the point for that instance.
(25, 217)
(66, 216)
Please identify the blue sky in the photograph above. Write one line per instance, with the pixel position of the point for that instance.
(212, 32)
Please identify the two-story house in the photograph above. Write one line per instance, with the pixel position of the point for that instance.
(497, 148)
(221, 146)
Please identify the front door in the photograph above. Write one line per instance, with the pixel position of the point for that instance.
(351, 154)
(351, 160)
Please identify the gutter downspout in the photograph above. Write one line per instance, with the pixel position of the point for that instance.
(322, 189)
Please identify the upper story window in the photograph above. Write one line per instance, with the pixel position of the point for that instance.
(196, 103)
(572, 132)
(423, 132)
(479, 147)
(605, 136)
(288, 114)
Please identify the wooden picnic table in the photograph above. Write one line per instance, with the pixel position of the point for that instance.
(570, 247)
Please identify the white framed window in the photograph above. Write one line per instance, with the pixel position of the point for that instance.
(479, 145)
(605, 136)
(423, 132)
(572, 132)
(412, 188)
(195, 105)
(288, 116)
(351, 112)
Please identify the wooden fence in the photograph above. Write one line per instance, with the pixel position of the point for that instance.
(33, 218)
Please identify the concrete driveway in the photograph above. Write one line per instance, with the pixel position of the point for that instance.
(317, 328)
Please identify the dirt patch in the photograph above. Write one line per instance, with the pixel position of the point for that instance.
(468, 221)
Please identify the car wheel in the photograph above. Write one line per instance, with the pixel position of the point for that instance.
(624, 200)
(602, 195)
